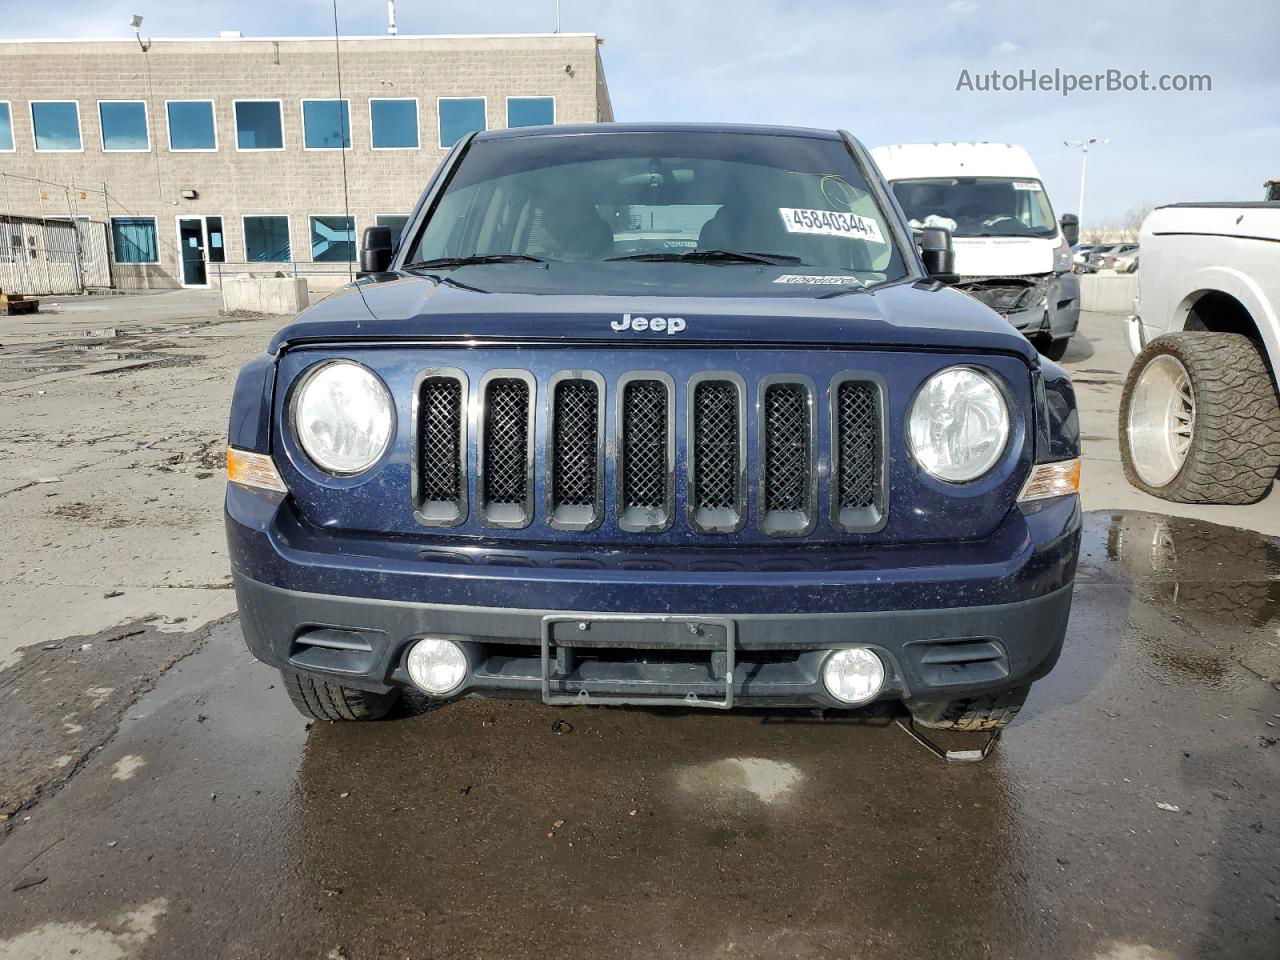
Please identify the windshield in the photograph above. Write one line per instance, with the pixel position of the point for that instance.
(978, 206)
(630, 205)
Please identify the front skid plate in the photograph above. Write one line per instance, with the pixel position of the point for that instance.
(583, 622)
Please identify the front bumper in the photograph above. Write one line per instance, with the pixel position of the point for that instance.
(948, 620)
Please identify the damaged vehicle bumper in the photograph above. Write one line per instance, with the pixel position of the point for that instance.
(1038, 305)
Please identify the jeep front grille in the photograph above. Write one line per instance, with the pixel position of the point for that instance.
(575, 474)
(589, 432)
(441, 497)
(646, 452)
(717, 460)
(787, 488)
(857, 453)
(505, 449)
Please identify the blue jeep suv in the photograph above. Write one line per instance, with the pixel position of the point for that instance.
(656, 414)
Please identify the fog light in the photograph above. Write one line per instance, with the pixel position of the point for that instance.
(854, 675)
(436, 665)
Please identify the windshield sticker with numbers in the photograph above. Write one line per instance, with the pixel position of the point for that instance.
(831, 223)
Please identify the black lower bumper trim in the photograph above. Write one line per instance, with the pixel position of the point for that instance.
(938, 654)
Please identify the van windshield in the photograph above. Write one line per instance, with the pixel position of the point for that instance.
(978, 206)
(610, 210)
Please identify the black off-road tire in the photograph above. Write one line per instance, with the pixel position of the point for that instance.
(1235, 443)
(322, 700)
(975, 714)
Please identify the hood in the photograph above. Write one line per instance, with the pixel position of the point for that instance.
(921, 314)
(1003, 256)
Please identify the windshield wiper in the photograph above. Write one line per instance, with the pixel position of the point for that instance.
(713, 256)
(441, 262)
(845, 291)
(445, 280)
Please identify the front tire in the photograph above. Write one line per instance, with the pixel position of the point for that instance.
(1199, 420)
(992, 711)
(323, 700)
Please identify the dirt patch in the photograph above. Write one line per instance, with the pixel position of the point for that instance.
(94, 513)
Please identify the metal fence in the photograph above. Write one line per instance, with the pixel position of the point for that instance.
(53, 255)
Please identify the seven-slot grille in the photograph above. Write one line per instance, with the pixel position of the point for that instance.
(643, 448)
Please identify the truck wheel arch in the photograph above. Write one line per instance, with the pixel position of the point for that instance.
(1223, 300)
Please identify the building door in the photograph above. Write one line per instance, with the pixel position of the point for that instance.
(191, 247)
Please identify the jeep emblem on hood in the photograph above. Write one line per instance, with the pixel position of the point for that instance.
(656, 324)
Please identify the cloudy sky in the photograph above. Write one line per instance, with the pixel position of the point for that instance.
(888, 73)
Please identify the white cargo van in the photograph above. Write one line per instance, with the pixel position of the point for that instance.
(1010, 251)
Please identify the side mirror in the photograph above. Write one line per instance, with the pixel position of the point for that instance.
(938, 256)
(375, 250)
(1070, 229)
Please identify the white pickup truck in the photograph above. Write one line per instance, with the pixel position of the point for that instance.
(1199, 418)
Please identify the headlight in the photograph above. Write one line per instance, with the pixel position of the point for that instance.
(343, 417)
(958, 425)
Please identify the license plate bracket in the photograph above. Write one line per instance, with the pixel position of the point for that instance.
(715, 634)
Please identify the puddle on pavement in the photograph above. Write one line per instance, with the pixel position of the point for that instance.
(1218, 586)
(1191, 567)
(75, 348)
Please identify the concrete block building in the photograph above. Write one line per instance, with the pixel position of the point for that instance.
(202, 157)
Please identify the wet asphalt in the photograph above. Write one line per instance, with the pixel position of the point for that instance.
(217, 824)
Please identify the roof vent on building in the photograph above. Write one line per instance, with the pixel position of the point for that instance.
(229, 34)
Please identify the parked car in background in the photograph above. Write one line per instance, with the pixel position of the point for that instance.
(1080, 252)
(656, 414)
(1011, 253)
(1116, 257)
(1125, 260)
(1199, 416)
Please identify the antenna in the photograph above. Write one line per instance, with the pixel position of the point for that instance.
(391, 17)
(557, 16)
(345, 119)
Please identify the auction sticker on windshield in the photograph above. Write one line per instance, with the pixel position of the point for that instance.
(818, 279)
(831, 223)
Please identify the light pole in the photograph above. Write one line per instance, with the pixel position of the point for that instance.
(1084, 166)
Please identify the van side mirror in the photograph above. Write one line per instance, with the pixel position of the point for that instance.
(375, 250)
(936, 252)
(1070, 229)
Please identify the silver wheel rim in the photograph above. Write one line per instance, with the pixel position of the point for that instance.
(1162, 420)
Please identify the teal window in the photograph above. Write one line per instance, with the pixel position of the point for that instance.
(6, 127)
(326, 124)
(394, 124)
(259, 125)
(266, 239)
(460, 116)
(134, 239)
(396, 222)
(56, 124)
(333, 239)
(191, 125)
(124, 125)
(530, 111)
